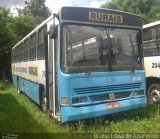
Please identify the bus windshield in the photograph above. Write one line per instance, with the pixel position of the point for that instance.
(109, 49)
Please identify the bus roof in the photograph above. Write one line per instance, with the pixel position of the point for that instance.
(151, 24)
(81, 8)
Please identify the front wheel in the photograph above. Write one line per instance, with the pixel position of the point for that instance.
(154, 93)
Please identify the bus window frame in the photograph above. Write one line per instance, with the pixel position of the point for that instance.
(31, 47)
(26, 50)
(42, 44)
(152, 50)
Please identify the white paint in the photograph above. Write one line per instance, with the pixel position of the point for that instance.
(148, 63)
(40, 65)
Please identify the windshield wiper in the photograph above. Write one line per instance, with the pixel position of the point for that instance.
(102, 52)
(133, 52)
(89, 72)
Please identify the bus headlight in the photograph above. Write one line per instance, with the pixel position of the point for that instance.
(79, 100)
(65, 101)
(138, 92)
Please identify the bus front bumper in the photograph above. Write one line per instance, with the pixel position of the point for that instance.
(76, 113)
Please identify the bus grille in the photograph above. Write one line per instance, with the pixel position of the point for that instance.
(106, 88)
(118, 95)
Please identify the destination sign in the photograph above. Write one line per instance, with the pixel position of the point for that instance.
(95, 15)
(30, 70)
(105, 17)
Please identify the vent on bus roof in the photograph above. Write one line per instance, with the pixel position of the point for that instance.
(106, 88)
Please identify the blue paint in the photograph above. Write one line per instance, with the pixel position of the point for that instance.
(74, 113)
(113, 82)
(14, 80)
(30, 88)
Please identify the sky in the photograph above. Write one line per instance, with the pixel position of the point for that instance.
(54, 5)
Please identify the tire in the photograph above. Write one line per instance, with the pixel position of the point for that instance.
(42, 98)
(153, 94)
(18, 88)
(44, 102)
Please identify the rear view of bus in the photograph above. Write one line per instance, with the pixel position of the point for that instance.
(100, 63)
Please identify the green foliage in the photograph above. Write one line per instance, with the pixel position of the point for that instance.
(19, 115)
(30, 16)
(22, 25)
(149, 10)
(7, 33)
(14, 28)
(38, 10)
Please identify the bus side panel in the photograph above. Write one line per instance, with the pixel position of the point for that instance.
(31, 89)
(152, 65)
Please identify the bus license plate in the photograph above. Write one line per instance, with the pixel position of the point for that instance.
(113, 105)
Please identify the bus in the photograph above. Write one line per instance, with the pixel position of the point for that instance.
(151, 43)
(82, 63)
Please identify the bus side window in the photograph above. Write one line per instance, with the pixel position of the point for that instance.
(151, 42)
(14, 55)
(25, 53)
(18, 53)
(32, 47)
(41, 44)
(21, 50)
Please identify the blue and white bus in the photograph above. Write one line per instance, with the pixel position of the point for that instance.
(87, 65)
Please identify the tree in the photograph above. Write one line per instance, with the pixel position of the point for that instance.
(22, 25)
(12, 29)
(7, 39)
(7, 34)
(149, 10)
(30, 16)
(37, 9)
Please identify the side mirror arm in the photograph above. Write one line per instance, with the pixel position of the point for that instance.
(53, 28)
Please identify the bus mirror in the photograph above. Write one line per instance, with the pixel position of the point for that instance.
(53, 31)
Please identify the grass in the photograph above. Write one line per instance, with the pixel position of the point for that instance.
(18, 114)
